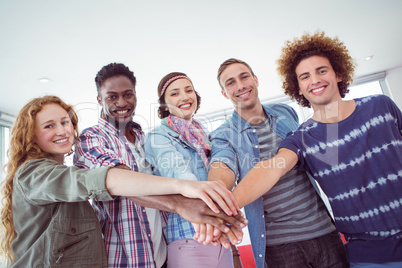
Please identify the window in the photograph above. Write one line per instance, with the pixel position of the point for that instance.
(5, 124)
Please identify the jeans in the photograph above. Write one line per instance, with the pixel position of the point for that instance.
(321, 252)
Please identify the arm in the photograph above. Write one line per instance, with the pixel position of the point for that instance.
(129, 183)
(193, 210)
(263, 176)
(219, 171)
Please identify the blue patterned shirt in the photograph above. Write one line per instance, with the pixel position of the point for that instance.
(358, 164)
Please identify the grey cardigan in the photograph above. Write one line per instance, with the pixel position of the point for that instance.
(54, 223)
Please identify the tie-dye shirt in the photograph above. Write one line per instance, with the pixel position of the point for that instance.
(358, 164)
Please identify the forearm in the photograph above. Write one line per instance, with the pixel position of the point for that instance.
(263, 176)
(121, 182)
(219, 171)
(161, 202)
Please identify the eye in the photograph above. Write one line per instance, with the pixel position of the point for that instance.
(322, 71)
(129, 95)
(66, 122)
(111, 97)
(190, 90)
(304, 77)
(230, 83)
(48, 126)
(244, 77)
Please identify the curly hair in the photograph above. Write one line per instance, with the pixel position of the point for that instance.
(23, 148)
(112, 70)
(226, 64)
(314, 45)
(162, 110)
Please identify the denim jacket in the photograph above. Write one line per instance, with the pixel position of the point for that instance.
(54, 223)
(235, 143)
(171, 156)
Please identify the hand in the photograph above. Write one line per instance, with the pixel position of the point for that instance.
(196, 211)
(210, 191)
(208, 234)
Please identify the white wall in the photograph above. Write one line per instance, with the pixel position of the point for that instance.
(394, 80)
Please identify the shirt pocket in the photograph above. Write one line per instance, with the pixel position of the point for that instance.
(72, 241)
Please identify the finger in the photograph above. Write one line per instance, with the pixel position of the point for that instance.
(234, 235)
(197, 230)
(209, 234)
(228, 197)
(203, 230)
(217, 232)
(206, 198)
(221, 196)
(224, 242)
(238, 221)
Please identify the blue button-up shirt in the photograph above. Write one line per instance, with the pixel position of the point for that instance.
(235, 143)
(172, 156)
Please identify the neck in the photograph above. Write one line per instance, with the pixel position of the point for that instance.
(254, 115)
(334, 112)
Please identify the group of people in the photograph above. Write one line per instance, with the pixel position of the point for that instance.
(165, 199)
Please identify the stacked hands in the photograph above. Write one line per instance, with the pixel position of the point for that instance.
(220, 225)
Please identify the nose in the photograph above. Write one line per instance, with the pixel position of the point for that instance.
(121, 102)
(315, 78)
(240, 84)
(60, 130)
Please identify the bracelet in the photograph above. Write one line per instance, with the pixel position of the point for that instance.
(236, 253)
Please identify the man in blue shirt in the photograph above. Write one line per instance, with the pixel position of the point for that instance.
(289, 226)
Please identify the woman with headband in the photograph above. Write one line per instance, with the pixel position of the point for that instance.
(179, 148)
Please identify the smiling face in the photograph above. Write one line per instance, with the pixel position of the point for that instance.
(118, 99)
(240, 86)
(318, 82)
(181, 99)
(54, 131)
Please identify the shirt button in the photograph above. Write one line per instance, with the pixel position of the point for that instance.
(262, 235)
(143, 210)
(254, 130)
(256, 146)
(73, 230)
(260, 255)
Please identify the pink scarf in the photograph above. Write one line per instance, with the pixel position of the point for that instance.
(192, 132)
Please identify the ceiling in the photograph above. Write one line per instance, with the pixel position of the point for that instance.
(69, 41)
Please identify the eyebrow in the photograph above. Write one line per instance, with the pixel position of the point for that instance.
(316, 69)
(125, 91)
(233, 77)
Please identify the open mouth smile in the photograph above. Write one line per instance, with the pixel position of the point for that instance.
(61, 141)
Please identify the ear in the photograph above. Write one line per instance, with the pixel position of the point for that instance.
(99, 100)
(224, 94)
(256, 80)
(338, 78)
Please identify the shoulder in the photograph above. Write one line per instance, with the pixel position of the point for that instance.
(227, 126)
(280, 109)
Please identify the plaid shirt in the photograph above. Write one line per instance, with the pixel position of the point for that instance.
(125, 225)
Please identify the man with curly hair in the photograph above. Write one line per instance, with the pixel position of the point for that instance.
(352, 148)
(289, 226)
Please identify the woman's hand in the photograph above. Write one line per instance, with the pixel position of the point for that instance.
(210, 192)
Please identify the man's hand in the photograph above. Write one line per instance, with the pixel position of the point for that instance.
(196, 211)
(192, 209)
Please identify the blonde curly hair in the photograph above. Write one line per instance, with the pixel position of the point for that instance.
(23, 148)
(314, 45)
